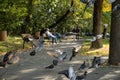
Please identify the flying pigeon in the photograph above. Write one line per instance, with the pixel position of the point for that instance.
(40, 45)
(117, 7)
(75, 51)
(72, 75)
(111, 1)
(62, 57)
(88, 3)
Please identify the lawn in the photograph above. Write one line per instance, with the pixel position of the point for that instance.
(16, 43)
(104, 51)
(12, 43)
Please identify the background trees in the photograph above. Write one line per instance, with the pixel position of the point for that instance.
(28, 16)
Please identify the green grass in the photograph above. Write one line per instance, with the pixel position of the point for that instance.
(104, 51)
(12, 43)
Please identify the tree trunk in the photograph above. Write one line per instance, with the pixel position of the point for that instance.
(114, 53)
(97, 24)
(3, 35)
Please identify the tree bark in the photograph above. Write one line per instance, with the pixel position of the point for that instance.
(97, 24)
(114, 50)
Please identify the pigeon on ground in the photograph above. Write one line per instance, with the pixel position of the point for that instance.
(32, 53)
(83, 66)
(7, 56)
(96, 62)
(50, 67)
(55, 62)
(2, 64)
(10, 58)
(82, 77)
(64, 72)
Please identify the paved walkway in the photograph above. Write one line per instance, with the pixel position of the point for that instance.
(32, 67)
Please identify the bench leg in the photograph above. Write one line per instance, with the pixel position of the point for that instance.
(23, 44)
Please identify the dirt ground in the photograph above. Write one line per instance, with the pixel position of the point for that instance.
(33, 67)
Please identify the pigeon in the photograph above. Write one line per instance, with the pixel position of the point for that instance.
(82, 77)
(73, 54)
(50, 67)
(85, 1)
(55, 62)
(111, 1)
(96, 62)
(32, 53)
(62, 57)
(117, 7)
(83, 66)
(2, 64)
(88, 3)
(7, 56)
(40, 45)
(64, 72)
(72, 75)
(13, 60)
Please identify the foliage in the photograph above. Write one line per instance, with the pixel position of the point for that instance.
(31, 15)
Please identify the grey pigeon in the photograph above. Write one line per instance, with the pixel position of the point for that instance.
(72, 75)
(55, 62)
(111, 1)
(32, 53)
(96, 62)
(83, 66)
(64, 72)
(50, 67)
(62, 57)
(117, 7)
(40, 45)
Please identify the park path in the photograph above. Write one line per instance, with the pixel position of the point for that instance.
(33, 67)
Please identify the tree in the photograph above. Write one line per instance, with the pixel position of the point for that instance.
(97, 24)
(114, 51)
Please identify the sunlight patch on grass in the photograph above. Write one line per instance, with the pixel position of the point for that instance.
(104, 51)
